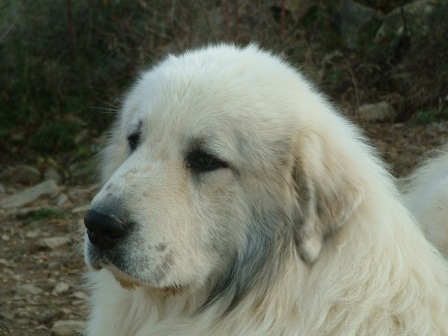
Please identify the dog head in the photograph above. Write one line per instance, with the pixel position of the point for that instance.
(217, 156)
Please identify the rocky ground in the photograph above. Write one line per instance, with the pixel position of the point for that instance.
(41, 262)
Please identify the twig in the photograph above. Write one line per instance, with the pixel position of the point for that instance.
(355, 85)
(9, 29)
(72, 29)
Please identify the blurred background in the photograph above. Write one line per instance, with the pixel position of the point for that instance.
(65, 64)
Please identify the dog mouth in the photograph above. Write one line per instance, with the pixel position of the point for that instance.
(125, 281)
(129, 283)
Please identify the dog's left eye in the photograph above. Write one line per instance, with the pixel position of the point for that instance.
(203, 162)
(133, 140)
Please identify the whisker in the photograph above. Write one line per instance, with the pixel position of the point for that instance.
(107, 103)
(103, 109)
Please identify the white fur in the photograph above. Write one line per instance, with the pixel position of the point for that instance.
(426, 195)
(341, 254)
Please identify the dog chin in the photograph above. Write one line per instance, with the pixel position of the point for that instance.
(129, 283)
(125, 281)
(96, 266)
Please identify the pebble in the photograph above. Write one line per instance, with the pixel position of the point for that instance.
(62, 199)
(382, 111)
(80, 296)
(40, 330)
(46, 316)
(29, 289)
(60, 288)
(53, 243)
(32, 234)
(82, 208)
(67, 327)
(66, 311)
(17, 277)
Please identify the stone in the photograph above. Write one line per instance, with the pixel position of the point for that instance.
(357, 23)
(414, 14)
(40, 330)
(61, 200)
(80, 296)
(47, 316)
(29, 195)
(17, 277)
(32, 234)
(68, 327)
(52, 174)
(81, 209)
(28, 289)
(60, 288)
(53, 243)
(24, 174)
(66, 311)
(381, 111)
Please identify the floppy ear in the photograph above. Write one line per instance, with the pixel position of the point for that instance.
(328, 192)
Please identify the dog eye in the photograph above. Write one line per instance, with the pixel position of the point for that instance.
(133, 140)
(204, 162)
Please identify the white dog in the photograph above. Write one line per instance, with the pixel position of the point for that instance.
(426, 194)
(237, 201)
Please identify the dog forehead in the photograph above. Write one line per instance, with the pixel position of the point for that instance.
(232, 99)
(215, 86)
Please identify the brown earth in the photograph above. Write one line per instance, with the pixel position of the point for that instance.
(41, 284)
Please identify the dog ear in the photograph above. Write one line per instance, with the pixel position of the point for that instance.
(328, 192)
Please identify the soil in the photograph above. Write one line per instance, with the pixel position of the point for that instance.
(41, 284)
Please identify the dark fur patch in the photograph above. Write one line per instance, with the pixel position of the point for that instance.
(163, 268)
(160, 247)
(249, 264)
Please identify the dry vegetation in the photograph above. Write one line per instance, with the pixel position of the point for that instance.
(65, 64)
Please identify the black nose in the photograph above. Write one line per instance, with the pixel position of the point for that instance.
(104, 230)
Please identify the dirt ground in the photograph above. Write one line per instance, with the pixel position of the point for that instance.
(41, 289)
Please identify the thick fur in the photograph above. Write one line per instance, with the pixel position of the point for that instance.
(301, 232)
(426, 194)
